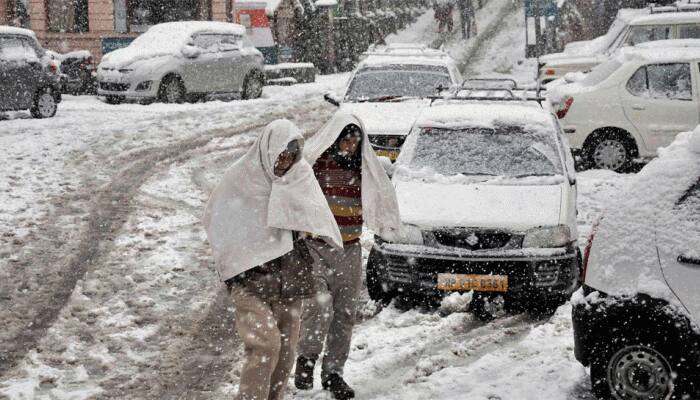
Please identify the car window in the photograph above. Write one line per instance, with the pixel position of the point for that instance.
(643, 34)
(398, 80)
(505, 151)
(12, 49)
(207, 42)
(29, 49)
(662, 81)
(689, 31)
(230, 42)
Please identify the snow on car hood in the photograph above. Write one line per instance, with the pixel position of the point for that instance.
(478, 205)
(574, 61)
(387, 118)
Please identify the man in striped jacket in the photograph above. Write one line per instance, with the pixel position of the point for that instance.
(338, 273)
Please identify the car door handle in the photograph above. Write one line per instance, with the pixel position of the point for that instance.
(689, 260)
(638, 107)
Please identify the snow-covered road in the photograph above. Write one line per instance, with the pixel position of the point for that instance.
(106, 283)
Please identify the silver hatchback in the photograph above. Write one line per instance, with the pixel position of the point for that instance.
(178, 61)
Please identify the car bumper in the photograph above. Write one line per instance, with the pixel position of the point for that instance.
(528, 275)
(127, 90)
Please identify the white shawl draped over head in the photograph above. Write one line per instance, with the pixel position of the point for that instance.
(251, 214)
(379, 206)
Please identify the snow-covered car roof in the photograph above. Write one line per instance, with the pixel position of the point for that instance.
(674, 52)
(405, 53)
(11, 30)
(461, 113)
(667, 18)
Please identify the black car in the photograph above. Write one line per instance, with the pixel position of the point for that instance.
(29, 80)
(78, 73)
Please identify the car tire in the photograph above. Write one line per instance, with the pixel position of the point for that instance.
(113, 99)
(253, 85)
(645, 355)
(45, 104)
(378, 290)
(172, 90)
(609, 150)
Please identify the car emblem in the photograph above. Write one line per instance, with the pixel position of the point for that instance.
(472, 239)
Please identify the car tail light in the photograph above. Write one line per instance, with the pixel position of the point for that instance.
(566, 106)
(550, 72)
(53, 67)
(587, 251)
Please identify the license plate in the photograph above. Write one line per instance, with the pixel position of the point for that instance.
(392, 154)
(477, 283)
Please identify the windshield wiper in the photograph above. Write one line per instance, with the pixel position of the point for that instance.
(387, 99)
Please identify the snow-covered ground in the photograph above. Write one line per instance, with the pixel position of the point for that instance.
(106, 283)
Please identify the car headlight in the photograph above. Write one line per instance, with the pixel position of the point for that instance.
(406, 234)
(547, 237)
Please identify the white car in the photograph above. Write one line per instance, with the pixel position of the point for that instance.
(178, 61)
(636, 319)
(632, 27)
(633, 104)
(487, 197)
(390, 87)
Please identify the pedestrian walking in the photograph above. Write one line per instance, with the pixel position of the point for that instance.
(254, 220)
(467, 16)
(443, 14)
(358, 192)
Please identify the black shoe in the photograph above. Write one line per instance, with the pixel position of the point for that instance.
(335, 384)
(304, 373)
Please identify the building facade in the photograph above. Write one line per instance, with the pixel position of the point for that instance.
(102, 25)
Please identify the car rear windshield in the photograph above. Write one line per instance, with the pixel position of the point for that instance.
(511, 152)
(397, 81)
(601, 73)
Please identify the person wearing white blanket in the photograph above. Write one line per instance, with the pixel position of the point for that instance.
(255, 222)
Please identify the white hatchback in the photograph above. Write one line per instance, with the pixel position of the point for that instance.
(636, 318)
(487, 195)
(631, 105)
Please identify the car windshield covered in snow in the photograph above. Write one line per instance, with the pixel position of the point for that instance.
(391, 81)
(503, 151)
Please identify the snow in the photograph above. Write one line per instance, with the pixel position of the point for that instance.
(11, 30)
(484, 114)
(270, 5)
(326, 3)
(288, 66)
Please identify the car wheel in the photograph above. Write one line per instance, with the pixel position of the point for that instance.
(45, 105)
(609, 152)
(113, 100)
(253, 86)
(633, 368)
(378, 290)
(172, 91)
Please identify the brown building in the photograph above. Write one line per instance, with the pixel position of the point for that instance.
(102, 25)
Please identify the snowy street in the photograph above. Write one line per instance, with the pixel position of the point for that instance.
(107, 285)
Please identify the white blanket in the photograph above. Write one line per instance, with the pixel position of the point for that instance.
(251, 214)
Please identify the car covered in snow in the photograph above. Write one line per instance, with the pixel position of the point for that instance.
(487, 196)
(390, 87)
(29, 79)
(177, 61)
(636, 318)
(631, 28)
(631, 105)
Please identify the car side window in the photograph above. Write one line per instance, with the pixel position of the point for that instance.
(12, 49)
(207, 42)
(230, 42)
(662, 81)
(689, 31)
(29, 49)
(643, 34)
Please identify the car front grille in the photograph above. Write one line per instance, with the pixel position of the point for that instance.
(474, 240)
(114, 87)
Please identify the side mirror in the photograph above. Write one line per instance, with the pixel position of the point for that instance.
(387, 164)
(190, 51)
(330, 97)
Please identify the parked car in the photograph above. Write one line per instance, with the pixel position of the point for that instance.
(636, 317)
(628, 107)
(29, 80)
(178, 61)
(633, 27)
(78, 75)
(390, 87)
(487, 197)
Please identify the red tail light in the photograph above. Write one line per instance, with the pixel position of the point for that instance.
(565, 108)
(53, 67)
(587, 251)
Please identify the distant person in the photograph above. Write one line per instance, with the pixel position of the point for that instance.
(467, 16)
(443, 14)
(358, 192)
(254, 221)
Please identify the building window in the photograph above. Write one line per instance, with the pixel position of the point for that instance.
(143, 14)
(67, 15)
